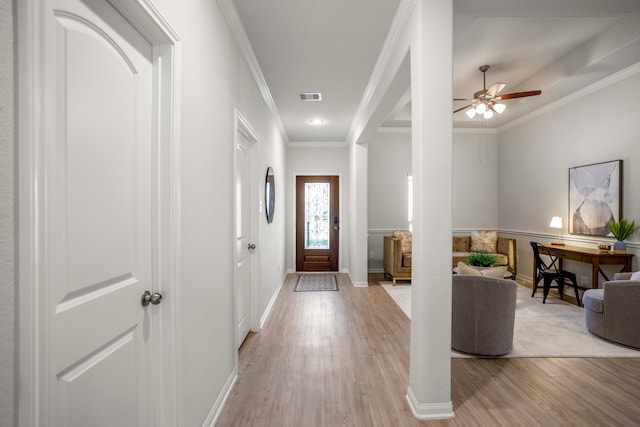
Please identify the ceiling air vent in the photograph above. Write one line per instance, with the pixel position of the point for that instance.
(311, 97)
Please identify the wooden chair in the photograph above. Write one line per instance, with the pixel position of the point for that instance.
(549, 272)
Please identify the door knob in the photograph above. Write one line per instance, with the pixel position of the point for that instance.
(151, 298)
(251, 246)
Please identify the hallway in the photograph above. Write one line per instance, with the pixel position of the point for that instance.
(341, 359)
(324, 359)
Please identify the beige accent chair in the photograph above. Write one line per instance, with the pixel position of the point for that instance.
(613, 312)
(397, 255)
(483, 314)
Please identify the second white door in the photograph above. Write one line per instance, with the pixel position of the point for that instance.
(243, 237)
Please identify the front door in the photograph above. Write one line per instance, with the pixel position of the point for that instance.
(317, 223)
(98, 252)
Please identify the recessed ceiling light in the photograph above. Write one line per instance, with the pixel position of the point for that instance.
(316, 121)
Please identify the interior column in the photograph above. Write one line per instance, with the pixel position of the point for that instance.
(429, 392)
(358, 224)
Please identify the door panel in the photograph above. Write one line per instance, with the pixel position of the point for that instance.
(243, 234)
(317, 223)
(98, 219)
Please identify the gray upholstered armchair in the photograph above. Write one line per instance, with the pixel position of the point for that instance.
(483, 314)
(613, 312)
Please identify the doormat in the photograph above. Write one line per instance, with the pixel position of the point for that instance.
(316, 282)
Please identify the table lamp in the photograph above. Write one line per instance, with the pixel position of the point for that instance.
(556, 222)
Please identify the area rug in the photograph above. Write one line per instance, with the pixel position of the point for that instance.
(316, 282)
(554, 329)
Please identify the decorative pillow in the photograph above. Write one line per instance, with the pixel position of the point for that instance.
(405, 240)
(467, 270)
(635, 276)
(484, 241)
(497, 272)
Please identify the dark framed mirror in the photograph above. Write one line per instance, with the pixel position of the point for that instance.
(270, 194)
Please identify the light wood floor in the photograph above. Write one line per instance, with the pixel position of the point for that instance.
(341, 359)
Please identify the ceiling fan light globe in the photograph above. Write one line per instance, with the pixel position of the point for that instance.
(481, 108)
(471, 112)
(499, 108)
(488, 114)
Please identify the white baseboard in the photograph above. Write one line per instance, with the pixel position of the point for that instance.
(429, 411)
(272, 301)
(360, 284)
(216, 410)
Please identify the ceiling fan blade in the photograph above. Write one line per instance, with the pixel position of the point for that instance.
(518, 95)
(494, 90)
(463, 108)
(462, 99)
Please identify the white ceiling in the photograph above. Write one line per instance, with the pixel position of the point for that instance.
(558, 46)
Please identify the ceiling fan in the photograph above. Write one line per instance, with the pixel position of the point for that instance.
(486, 101)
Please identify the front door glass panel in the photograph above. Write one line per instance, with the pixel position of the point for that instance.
(316, 215)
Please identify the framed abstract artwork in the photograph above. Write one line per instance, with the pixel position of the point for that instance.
(595, 197)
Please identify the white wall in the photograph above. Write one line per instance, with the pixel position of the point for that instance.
(475, 180)
(534, 159)
(7, 217)
(272, 244)
(389, 164)
(475, 185)
(317, 161)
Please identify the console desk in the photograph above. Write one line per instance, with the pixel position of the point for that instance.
(595, 257)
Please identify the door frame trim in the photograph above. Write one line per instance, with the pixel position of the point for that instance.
(241, 126)
(34, 123)
(295, 219)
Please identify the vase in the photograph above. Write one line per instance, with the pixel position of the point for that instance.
(619, 245)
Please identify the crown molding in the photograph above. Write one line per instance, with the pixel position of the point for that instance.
(587, 90)
(475, 131)
(317, 144)
(394, 129)
(461, 131)
(237, 29)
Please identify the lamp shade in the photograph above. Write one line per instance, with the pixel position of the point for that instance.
(556, 222)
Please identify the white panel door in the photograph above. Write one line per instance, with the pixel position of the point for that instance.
(98, 259)
(243, 234)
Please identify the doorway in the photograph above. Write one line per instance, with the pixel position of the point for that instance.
(97, 197)
(317, 223)
(246, 229)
